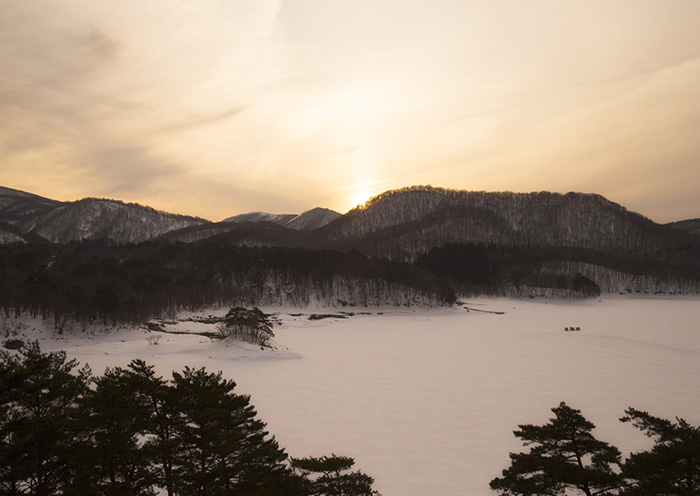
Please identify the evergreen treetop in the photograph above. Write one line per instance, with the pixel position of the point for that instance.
(563, 455)
(672, 466)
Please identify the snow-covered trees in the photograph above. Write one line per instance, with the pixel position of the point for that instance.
(132, 284)
(130, 432)
(409, 221)
(103, 221)
(563, 234)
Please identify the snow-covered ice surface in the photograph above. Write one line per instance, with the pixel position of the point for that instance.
(426, 400)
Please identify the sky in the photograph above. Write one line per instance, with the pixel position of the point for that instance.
(219, 107)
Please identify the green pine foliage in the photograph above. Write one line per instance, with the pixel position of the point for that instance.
(38, 426)
(251, 325)
(332, 476)
(114, 419)
(460, 263)
(672, 466)
(224, 444)
(564, 455)
(585, 286)
(132, 433)
(166, 423)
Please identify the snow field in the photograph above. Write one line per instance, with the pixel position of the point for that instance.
(426, 400)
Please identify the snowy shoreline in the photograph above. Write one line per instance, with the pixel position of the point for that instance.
(426, 399)
(191, 330)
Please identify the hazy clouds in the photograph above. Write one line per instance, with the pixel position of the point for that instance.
(218, 107)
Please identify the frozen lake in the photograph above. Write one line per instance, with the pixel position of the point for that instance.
(426, 400)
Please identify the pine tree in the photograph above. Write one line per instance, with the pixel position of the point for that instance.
(38, 428)
(331, 476)
(563, 455)
(250, 325)
(135, 432)
(165, 423)
(116, 418)
(672, 466)
(224, 445)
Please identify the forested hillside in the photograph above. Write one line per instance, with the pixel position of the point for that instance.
(134, 283)
(110, 221)
(30, 218)
(689, 225)
(311, 219)
(17, 206)
(404, 223)
(419, 245)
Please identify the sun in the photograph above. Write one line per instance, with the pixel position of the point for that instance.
(360, 198)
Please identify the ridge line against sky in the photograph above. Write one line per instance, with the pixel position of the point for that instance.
(227, 106)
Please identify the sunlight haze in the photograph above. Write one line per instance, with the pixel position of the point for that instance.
(228, 106)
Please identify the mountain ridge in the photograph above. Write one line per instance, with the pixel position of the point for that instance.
(500, 243)
(26, 217)
(439, 215)
(35, 219)
(17, 206)
(400, 223)
(309, 219)
(688, 225)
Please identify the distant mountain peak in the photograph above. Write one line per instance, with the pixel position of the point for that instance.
(310, 219)
(689, 225)
(260, 217)
(18, 206)
(88, 220)
(400, 223)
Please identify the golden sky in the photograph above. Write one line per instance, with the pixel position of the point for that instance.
(219, 107)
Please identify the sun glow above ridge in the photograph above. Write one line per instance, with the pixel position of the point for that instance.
(360, 198)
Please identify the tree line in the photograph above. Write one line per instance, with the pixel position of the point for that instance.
(134, 283)
(404, 223)
(130, 432)
(565, 456)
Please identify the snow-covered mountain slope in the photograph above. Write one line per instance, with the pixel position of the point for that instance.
(280, 219)
(410, 221)
(104, 220)
(28, 217)
(9, 237)
(17, 206)
(261, 229)
(239, 233)
(690, 225)
(398, 224)
(311, 219)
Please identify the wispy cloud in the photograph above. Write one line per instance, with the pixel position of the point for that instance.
(95, 89)
(202, 121)
(264, 102)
